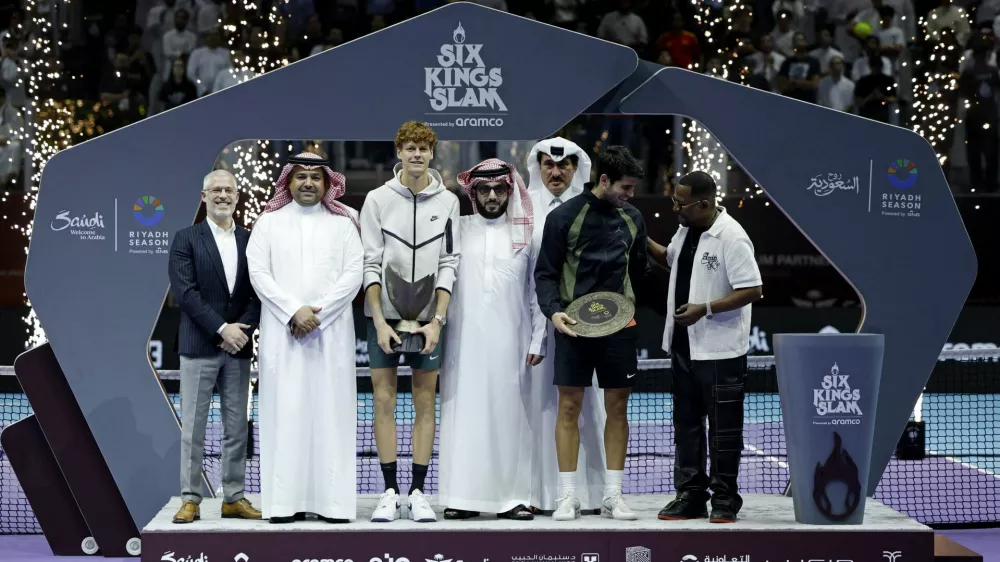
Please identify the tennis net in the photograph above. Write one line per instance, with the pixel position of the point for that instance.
(957, 482)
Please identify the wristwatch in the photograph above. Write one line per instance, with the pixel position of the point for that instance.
(441, 320)
(708, 310)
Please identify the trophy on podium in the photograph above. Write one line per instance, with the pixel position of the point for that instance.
(409, 299)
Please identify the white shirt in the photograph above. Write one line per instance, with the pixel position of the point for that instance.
(175, 45)
(770, 71)
(824, 55)
(209, 14)
(837, 95)
(550, 201)
(225, 240)
(230, 77)
(724, 262)
(862, 67)
(204, 65)
(628, 29)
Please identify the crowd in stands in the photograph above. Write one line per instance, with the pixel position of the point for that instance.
(867, 57)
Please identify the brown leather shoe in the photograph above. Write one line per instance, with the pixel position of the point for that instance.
(188, 512)
(240, 509)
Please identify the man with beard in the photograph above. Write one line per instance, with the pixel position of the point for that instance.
(557, 171)
(219, 311)
(713, 281)
(410, 234)
(593, 243)
(494, 340)
(305, 261)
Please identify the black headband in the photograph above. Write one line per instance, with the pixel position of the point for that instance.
(494, 173)
(309, 161)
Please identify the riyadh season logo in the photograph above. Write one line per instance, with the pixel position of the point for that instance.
(148, 211)
(899, 202)
(836, 398)
(463, 86)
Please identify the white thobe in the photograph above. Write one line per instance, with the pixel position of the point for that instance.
(591, 464)
(486, 449)
(307, 256)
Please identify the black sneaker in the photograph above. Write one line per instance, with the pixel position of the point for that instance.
(722, 515)
(683, 508)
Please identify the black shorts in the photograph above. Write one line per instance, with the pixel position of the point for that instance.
(613, 357)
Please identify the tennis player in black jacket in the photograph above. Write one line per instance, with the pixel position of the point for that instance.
(594, 242)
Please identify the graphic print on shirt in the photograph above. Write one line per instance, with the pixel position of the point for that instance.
(711, 262)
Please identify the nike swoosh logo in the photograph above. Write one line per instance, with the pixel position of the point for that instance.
(630, 376)
(433, 357)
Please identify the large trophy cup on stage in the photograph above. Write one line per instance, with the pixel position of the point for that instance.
(409, 299)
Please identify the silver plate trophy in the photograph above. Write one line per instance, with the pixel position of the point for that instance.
(409, 299)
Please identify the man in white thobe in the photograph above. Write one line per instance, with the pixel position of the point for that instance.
(557, 170)
(495, 337)
(305, 260)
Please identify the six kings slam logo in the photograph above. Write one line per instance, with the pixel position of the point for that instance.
(462, 85)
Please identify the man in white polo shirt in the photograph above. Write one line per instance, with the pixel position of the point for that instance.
(713, 281)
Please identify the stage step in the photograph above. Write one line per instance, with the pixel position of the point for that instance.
(947, 550)
(765, 532)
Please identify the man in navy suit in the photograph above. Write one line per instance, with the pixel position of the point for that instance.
(219, 312)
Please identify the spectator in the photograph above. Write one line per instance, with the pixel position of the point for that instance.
(826, 51)
(11, 125)
(178, 89)
(875, 90)
(873, 55)
(991, 57)
(235, 74)
(836, 91)
(739, 39)
(16, 29)
(210, 15)
(179, 41)
(10, 71)
(566, 13)
(949, 16)
(116, 87)
(979, 85)
(207, 61)
(683, 46)
(766, 61)
(799, 75)
(334, 38)
(890, 36)
(784, 34)
(312, 37)
(625, 27)
(793, 7)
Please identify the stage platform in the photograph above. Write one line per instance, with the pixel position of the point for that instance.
(766, 532)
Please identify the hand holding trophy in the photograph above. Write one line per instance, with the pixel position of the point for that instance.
(409, 299)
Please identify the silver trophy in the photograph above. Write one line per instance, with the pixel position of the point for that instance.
(409, 300)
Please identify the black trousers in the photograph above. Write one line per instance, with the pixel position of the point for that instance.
(711, 390)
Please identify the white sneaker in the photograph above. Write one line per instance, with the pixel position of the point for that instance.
(616, 508)
(420, 509)
(567, 509)
(387, 508)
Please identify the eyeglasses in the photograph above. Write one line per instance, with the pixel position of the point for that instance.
(221, 190)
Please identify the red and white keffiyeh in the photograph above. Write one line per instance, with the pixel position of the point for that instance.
(336, 186)
(520, 215)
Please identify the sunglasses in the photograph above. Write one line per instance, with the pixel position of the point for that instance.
(677, 204)
(498, 189)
